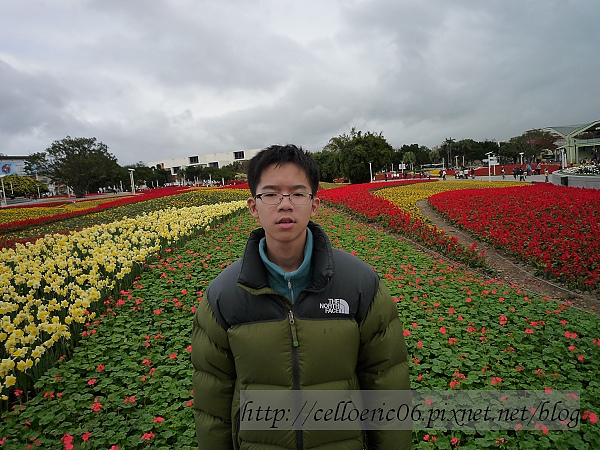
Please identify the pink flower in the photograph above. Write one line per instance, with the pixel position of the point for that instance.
(528, 331)
(496, 380)
(406, 333)
(86, 436)
(158, 419)
(420, 344)
(443, 330)
(172, 356)
(92, 382)
(101, 368)
(452, 341)
(454, 441)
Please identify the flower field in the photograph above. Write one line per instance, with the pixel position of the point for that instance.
(126, 383)
(556, 228)
(407, 199)
(358, 199)
(52, 286)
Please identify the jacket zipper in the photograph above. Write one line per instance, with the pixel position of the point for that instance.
(296, 370)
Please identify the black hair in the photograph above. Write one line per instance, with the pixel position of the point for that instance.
(280, 154)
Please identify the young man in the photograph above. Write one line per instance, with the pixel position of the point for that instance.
(292, 314)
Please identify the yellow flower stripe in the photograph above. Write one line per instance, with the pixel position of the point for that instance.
(49, 285)
(407, 196)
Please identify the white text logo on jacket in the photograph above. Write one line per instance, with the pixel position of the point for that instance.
(336, 306)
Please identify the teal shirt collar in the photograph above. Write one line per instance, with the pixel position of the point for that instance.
(290, 284)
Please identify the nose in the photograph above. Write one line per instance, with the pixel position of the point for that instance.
(288, 198)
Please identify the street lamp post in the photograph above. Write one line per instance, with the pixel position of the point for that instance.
(489, 155)
(456, 164)
(521, 157)
(3, 199)
(370, 171)
(132, 182)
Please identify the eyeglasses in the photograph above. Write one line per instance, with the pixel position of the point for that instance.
(272, 198)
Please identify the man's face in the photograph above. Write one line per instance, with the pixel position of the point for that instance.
(285, 222)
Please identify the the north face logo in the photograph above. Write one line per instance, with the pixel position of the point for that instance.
(336, 306)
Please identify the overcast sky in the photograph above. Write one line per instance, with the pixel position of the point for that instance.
(156, 79)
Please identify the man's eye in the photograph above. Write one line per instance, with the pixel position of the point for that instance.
(299, 195)
(271, 195)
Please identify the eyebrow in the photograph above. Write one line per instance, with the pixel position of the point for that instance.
(274, 187)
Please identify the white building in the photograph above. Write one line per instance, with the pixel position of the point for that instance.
(207, 160)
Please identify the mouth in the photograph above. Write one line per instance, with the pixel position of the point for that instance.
(285, 220)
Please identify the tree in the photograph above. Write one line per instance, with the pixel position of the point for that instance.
(532, 143)
(16, 185)
(329, 167)
(410, 160)
(76, 162)
(359, 152)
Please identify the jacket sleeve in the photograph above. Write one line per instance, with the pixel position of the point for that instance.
(383, 362)
(213, 381)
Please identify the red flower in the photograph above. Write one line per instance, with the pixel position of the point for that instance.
(92, 382)
(148, 436)
(96, 406)
(590, 416)
(86, 436)
(443, 330)
(101, 368)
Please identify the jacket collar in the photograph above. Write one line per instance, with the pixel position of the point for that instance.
(253, 273)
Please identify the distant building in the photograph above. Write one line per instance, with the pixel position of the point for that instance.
(217, 160)
(577, 142)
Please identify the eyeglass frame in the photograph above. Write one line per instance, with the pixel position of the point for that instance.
(311, 197)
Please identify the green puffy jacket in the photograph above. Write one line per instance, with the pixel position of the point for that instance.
(343, 332)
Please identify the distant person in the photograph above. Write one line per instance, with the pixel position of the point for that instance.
(546, 174)
(503, 173)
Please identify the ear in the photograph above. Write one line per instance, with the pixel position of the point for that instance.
(315, 206)
(251, 202)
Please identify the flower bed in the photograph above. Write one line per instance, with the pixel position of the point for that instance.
(114, 211)
(54, 286)
(406, 197)
(129, 383)
(358, 199)
(556, 228)
(21, 217)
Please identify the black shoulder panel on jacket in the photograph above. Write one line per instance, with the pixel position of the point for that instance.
(343, 287)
